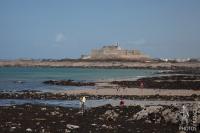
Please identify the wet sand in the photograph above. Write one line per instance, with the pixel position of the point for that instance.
(133, 91)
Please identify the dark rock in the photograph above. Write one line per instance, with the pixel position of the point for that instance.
(164, 82)
(68, 83)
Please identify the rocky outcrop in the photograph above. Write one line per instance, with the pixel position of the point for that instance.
(68, 83)
(110, 115)
(43, 119)
(164, 82)
(143, 114)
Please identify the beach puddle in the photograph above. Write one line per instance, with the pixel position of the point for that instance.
(92, 103)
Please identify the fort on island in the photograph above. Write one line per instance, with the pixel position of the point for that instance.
(114, 51)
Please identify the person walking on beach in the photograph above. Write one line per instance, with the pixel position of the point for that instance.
(141, 85)
(82, 101)
(121, 102)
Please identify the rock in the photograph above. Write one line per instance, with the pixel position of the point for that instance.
(61, 115)
(93, 124)
(79, 113)
(43, 131)
(37, 123)
(20, 114)
(110, 114)
(147, 121)
(57, 108)
(105, 126)
(67, 131)
(170, 116)
(158, 120)
(29, 130)
(100, 118)
(12, 129)
(55, 113)
(62, 121)
(69, 126)
(143, 114)
(43, 109)
(69, 83)
(47, 114)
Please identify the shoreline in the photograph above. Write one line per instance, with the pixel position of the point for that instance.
(97, 94)
(102, 64)
(165, 87)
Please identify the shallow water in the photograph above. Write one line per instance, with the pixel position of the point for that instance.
(92, 103)
(31, 78)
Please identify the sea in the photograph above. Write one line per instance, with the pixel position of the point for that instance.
(20, 79)
(16, 79)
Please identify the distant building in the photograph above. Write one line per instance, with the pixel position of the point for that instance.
(115, 52)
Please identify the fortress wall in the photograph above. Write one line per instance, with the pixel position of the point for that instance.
(114, 53)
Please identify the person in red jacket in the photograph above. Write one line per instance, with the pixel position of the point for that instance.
(121, 103)
(141, 85)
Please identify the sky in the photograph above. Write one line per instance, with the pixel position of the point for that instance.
(68, 28)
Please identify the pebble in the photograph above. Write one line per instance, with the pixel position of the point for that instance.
(55, 113)
(20, 114)
(57, 108)
(62, 121)
(47, 114)
(43, 131)
(72, 126)
(29, 130)
(67, 131)
(111, 114)
(43, 109)
(12, 129)
(147, 121)
(37, 123)
(105, 126)
(93, 124)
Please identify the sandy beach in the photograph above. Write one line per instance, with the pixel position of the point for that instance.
(133, 91)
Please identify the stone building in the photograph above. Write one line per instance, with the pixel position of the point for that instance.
(115, 52)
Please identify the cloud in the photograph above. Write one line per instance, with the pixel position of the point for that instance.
(60, 37)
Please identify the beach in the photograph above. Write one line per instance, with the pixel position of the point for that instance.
(154, 106)
(100, 66)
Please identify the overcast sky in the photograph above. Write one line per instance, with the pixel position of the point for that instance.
(68, 28)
